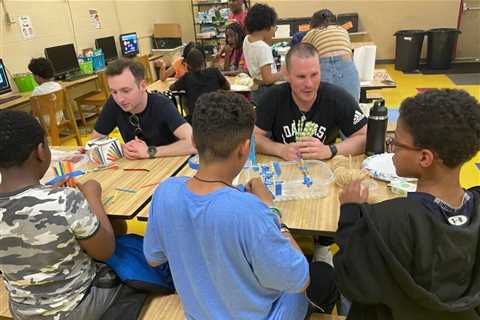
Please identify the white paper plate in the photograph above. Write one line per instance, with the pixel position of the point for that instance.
(380, 166)
(239, 88)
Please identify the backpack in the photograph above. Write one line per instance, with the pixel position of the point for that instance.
(132, 268)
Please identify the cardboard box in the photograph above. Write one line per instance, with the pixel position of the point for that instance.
(167, 30)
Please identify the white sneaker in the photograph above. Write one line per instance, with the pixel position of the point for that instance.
(322, 253)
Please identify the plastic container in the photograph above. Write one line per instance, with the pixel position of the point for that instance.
(287, 182)
(86, 67)
(24, 81)
(441, 47)
(98, 60)
(408, 46)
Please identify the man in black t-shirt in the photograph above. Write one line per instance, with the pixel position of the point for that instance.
(149, 123)
(284, 107)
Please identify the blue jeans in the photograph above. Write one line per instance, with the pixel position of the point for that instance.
(341, 72)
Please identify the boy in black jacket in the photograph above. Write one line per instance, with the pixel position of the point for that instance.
(418, 257)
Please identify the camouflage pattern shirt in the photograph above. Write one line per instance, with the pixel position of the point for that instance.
(45, 270)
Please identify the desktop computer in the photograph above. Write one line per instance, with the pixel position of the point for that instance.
(108, 47)
(5, 88)
(129, 44)
(64, 61)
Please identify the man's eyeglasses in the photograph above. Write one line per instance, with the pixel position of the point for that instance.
(135, 122)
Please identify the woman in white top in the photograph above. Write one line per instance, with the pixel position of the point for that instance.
(261, 25)
(42, 71)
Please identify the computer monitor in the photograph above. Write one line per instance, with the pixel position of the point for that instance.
(129, 44)
(4, 84)
(63, 59)
(108, 47)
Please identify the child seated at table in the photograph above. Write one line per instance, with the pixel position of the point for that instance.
(199, 79)
(418, 257)
(178, 67)
(232, 52)
(42, 71)
(230, 256)
(50, 236)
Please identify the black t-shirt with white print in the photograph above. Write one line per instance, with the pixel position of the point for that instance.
(333, 110)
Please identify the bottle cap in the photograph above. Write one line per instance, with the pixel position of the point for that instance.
(379, 109)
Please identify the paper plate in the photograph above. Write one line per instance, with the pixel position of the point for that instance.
(240, 88)
(380, 166)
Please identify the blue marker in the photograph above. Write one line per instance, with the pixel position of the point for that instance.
(277, 168)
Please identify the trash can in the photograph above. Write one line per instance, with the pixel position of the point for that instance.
(408, 46)
(441, 46)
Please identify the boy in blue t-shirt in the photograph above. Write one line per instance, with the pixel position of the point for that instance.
(229, 255)
(418, 257)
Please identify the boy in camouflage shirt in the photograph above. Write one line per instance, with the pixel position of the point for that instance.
(48, 236)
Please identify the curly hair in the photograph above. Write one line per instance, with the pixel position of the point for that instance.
(221, 121)
(445, 121)
(20, 134)
(41, 67)
(260, 17)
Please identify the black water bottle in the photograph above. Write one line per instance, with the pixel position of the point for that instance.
(376, 128)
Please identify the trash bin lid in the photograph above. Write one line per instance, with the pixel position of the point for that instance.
(444, 30)
(409, 32)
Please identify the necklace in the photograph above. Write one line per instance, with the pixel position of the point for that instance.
(214, 181)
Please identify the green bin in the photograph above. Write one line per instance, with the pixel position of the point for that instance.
(86, 67)
(24, 82)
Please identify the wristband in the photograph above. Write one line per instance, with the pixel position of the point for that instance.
(284, 228)
(276, 211)
(333, 150)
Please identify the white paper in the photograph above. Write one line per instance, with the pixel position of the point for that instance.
(26, 27)
(364, 59)
(95, 18)
(283, 31)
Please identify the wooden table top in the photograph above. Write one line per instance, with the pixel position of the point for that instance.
(161, 86)
(125, 204)
(381, 79)
(25, 96)
(310, 216)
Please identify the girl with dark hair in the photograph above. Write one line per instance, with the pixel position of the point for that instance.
(178, 67)
(232, 52)
(261, 23)
(335, 49)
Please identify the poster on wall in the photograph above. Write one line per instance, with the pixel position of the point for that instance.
(26, 27)
(95, 18)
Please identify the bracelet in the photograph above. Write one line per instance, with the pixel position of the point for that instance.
(276, 211)
(284, 228)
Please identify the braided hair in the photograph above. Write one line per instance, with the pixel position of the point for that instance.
(20, 134)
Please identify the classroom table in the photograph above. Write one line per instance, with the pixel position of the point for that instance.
(381, 80)
(127, 204)
(161, 86)
(75, 88)
(309, 216)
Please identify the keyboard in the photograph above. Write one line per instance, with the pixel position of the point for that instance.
(9, 98)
